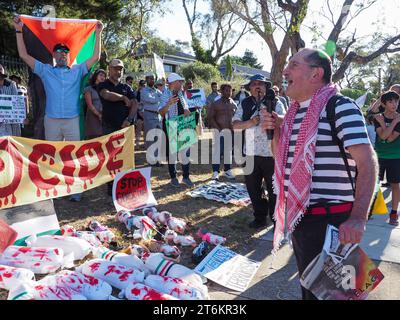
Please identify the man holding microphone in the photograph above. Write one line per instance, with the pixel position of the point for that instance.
(257, 149)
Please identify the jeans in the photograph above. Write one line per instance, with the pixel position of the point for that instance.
(227, 166)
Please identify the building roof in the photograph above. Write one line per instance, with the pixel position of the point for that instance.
(246, 71)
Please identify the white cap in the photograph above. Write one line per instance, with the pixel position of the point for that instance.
(174, 77)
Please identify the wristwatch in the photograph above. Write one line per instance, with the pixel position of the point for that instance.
(130, 120)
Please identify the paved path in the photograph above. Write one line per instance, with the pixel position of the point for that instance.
(279, 281)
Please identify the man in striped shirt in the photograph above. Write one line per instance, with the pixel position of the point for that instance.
(313, 186)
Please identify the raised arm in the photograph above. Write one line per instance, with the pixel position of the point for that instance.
(29, 60)
(97, 48)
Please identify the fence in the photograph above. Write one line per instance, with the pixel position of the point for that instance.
(16, 66)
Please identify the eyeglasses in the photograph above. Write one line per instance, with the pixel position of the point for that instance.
(295, 64)
(60, 50)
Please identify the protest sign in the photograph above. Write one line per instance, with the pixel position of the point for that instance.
(228, 268)
(12, 109)
(196, 98)
(7, 235)
(181, 132)
(132, 190)
(35, 170)
(159, 66)
(341, 271)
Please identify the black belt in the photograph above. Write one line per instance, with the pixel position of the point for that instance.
(151, 111)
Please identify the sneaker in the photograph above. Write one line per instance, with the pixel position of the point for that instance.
(76, 197)
(215, 175)
(394, 219)
(228, 174)
(188, 182)
(256, 224)
(175, 183)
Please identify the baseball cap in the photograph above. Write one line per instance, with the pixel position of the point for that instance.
(116, 63)
(174, 77)
(60, 46)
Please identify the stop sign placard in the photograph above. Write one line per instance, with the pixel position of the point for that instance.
(132, 190)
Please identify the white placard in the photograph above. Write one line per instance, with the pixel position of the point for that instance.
(196, 98)
(159, 66)
(12, 109)
(228, 268)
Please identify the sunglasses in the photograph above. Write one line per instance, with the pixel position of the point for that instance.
(62, 50)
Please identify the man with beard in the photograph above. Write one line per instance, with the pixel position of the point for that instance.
(257, 149)
(150, 98)
(119, 102)
(316, 159)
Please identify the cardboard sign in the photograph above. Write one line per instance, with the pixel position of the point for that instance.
(181, 132)
(132, 190)
(12, 109)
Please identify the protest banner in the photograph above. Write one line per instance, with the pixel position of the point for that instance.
(12, 109)
(196, 98)
(159, 66)
(132, 190)
(181, 132)
(228, 269)
(341, 271)
(35, 170)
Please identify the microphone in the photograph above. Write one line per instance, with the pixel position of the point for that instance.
(270, 106)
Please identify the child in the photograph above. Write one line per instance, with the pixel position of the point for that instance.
(387, 147)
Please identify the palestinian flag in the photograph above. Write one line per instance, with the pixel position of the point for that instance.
(42, 34)
(33, 219)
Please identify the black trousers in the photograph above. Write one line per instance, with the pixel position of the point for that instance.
(308, 240)
(263, 170)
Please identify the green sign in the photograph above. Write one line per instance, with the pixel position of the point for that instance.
(181, 132)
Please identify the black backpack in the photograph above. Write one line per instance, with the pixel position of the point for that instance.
(331, 115)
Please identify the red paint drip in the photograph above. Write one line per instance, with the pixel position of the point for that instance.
(6, 201)
(47, 193)
(13, 199)
(55, 193)
(51, 161)
(38, 192)
(84, 185)
(44, 158)
(68, 188)
(1, 203)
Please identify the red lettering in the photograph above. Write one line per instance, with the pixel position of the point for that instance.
(69, 165)
(40, 151)
(84, 172)
(12, 150)
(114, 166)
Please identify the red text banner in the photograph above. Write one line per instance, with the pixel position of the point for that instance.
(35, 170)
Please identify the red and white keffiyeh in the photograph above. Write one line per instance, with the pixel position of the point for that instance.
(298, 195)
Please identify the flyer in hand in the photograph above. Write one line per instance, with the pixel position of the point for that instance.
(341, 272)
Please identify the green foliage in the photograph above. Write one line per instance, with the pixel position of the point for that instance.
(199, 70)
(355, 93)
(202, 55)
(228, 68)
(249, 59)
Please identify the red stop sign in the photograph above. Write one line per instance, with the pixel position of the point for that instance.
(131, 190)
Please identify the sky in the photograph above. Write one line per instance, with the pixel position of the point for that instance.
(383, 15)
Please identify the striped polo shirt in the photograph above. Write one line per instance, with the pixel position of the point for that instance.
(330, 180)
